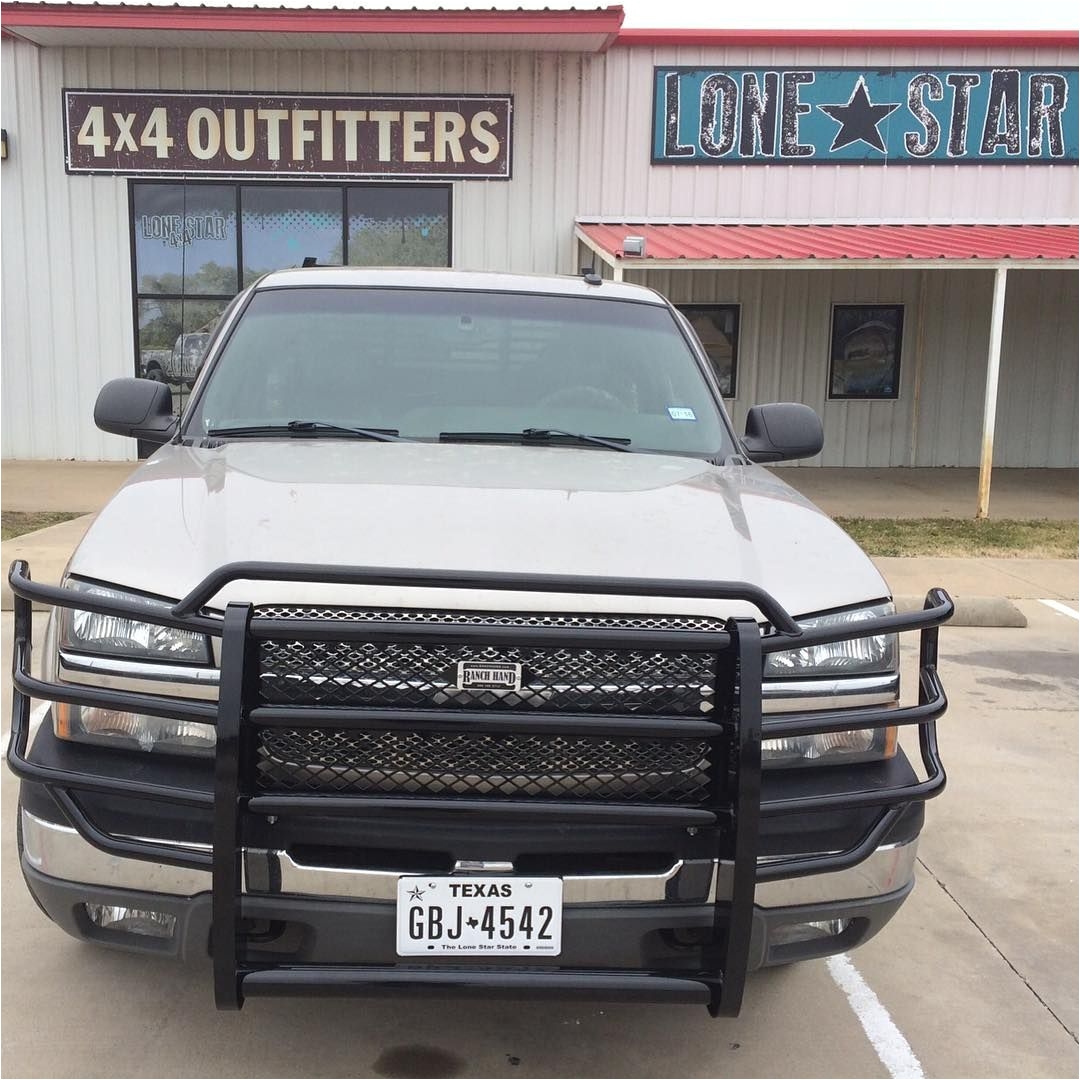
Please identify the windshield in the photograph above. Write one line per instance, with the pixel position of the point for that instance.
(430, 364)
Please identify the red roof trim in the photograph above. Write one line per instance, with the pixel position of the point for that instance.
(605, 21)
(1038, 39)
(731, 243)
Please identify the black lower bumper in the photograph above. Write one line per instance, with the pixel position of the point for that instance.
(617, 945)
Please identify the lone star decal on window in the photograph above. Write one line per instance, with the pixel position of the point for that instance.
(859, 118)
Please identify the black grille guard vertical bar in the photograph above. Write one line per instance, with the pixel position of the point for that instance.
(233, 700)
(732, 922)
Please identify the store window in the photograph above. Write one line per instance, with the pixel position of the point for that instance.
(717, 325)
(193, 243)
(864, 354)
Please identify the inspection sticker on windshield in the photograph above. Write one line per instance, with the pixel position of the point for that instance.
(680, 412)
(507, 916)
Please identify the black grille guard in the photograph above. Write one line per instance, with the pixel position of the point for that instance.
(733, 810)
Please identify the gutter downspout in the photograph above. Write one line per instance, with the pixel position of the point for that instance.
(993, 367)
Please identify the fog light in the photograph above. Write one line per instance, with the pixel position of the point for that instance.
(791, 933)
(159, 924)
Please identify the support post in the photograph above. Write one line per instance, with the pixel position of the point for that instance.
(617, 271)
(993, 366)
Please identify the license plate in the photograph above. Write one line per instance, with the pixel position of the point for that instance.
(479, 916)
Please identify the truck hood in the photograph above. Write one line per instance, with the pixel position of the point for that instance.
(552, 510)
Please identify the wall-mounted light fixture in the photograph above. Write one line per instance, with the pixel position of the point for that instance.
(3, 144)
(634, 245)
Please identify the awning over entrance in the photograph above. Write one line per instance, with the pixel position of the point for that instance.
(688, 246)
(630, 246)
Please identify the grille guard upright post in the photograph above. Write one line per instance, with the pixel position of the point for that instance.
(238, 710)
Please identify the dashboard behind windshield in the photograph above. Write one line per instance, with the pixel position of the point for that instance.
(428, 362)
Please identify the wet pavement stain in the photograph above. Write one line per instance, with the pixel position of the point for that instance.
(1027, 685)
(421, 1062)
(1058, 665)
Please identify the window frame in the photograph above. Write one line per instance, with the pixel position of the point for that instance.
(736, 310)
(237, 184)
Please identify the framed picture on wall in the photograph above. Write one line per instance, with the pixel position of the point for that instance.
(864, 351)
(717, 325)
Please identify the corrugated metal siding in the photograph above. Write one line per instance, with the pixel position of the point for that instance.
(625, 184)
(581, 148)
(66, 262)
(66, 274)
(783, 355)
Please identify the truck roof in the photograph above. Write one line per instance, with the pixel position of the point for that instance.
(442, 278)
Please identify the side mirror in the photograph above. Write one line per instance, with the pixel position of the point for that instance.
(782, 432)
(138, 408)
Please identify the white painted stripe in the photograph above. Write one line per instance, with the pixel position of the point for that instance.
(885, 1037)
(1062, 609)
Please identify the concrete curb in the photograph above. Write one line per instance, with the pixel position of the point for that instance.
(973, 610)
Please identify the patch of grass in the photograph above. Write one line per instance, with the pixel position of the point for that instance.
(957, 538)
(17, 522)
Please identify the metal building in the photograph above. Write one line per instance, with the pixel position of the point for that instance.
(881, 225)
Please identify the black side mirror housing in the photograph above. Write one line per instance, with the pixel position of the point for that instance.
(137, 408)
(783, 431)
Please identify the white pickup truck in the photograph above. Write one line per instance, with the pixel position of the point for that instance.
(474, 653)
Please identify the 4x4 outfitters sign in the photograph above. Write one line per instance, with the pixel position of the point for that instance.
(1024, 116)
(459, 137)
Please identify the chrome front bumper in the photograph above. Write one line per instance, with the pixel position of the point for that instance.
(58, 851)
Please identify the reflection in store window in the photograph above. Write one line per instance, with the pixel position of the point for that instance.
(283, 225)
(173, 338)
(717, 325)
(187, 243)
(399, 226)
(185, 239)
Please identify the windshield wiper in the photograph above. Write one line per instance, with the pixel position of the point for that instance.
(303, 427)
(536, 435)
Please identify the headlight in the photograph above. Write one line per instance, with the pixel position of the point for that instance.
(111, 635)
(860, 656)
(132, 731)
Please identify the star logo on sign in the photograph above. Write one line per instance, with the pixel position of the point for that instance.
(416, 893)
(859, 118)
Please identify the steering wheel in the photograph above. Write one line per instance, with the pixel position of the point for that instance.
(586, 396)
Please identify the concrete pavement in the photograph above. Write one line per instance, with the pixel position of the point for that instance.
(1026, 494)
(61, 485)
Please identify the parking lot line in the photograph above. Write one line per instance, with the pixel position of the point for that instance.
(886, 1038)
(1062, 609)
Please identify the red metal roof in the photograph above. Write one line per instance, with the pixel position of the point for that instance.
(952, 243)
(604, 21)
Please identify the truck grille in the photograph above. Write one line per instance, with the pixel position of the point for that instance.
(415, 675)
(468, 764)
